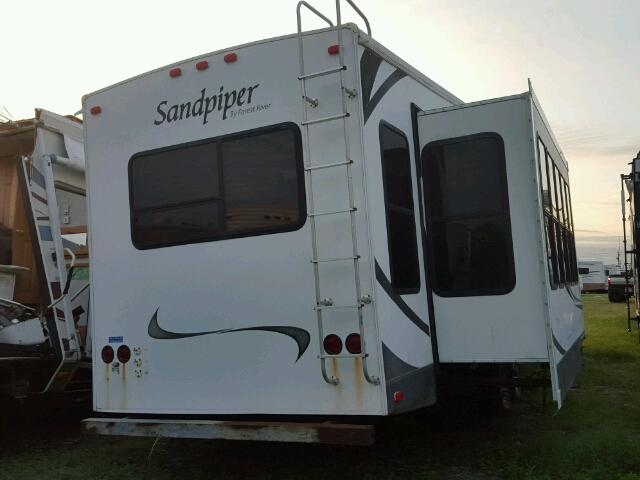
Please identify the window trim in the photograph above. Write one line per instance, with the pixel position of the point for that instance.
(299, 158)
(418, 286)
(512, 280)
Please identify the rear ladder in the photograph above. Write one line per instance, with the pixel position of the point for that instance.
(323, 304)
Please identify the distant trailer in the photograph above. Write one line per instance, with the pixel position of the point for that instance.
(611, 269)
(593, 275)
(44, 278)
(307, 225)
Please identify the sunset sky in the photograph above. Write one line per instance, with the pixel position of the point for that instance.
(581, 55)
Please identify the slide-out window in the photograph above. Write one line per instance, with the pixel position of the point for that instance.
(239, 185)
(398, 198)
(558, 221)
(468, 207)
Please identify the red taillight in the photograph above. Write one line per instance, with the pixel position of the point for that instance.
(609, 280)
(398, 396)
(124, 353)
(203, 65)
(96, 110)
(353, 343)
(175, 72)
(332, 344)
(107, 354)
(230, 57)
(333, 49)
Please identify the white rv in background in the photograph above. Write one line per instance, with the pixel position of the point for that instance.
(44, 278)
(306, 225)
(593, 275)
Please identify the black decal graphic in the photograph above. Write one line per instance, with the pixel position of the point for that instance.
(384, 88)
(300, 335)
(558, 346)
(369, 66)
(397, 299)
(576, 300)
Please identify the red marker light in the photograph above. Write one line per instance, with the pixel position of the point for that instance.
(96, 110)
(175, 72)
(124, 353)
(398, 396)
(230, 57)
(353, 343)
(203, 65)
(107, 354)
(333, 49)
(332, 344)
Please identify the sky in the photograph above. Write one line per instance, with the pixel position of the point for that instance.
(581, 55)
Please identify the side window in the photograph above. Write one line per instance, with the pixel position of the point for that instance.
(544, 176)
(469, 224)
(583, 270)
(245, 184)
(549, 229)
(558, 221)
(398, 199)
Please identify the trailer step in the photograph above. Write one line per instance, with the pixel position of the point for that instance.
(328, 433)
(334, 259)
(335, 307)
(326, 119)
(322, 72)
(333, 212)
(327, 165)
(345, 355)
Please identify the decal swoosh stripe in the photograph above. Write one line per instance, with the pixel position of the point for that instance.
(369, 65)
(384, 88)
(558, 346)
(397, 299)
(301, 336)
(577, 301)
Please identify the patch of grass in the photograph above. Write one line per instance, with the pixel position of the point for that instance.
(594, 436)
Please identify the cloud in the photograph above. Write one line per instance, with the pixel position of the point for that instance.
(597, 141)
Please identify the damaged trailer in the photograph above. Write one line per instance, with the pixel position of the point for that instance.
(329, 248)
(44, 278)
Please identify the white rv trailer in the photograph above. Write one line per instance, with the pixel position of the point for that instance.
(593, 274)
(43, 258)
(307, 225)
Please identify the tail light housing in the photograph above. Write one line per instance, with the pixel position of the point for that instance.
(107, 354)
(332, 344)
(124, 353)
(353, 343)
(609, 280)
(333, 49)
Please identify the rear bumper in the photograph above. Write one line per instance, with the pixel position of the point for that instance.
(327, 433)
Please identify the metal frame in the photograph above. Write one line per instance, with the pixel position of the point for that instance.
(327, 433)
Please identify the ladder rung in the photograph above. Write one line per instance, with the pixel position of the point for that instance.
(335, 259)
(335, 212)
(326, 119)
(329, 307)
(327, 165)
(345, 355)
(322, 72)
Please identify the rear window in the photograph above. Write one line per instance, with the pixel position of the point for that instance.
(468, 206)
(244, 184)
